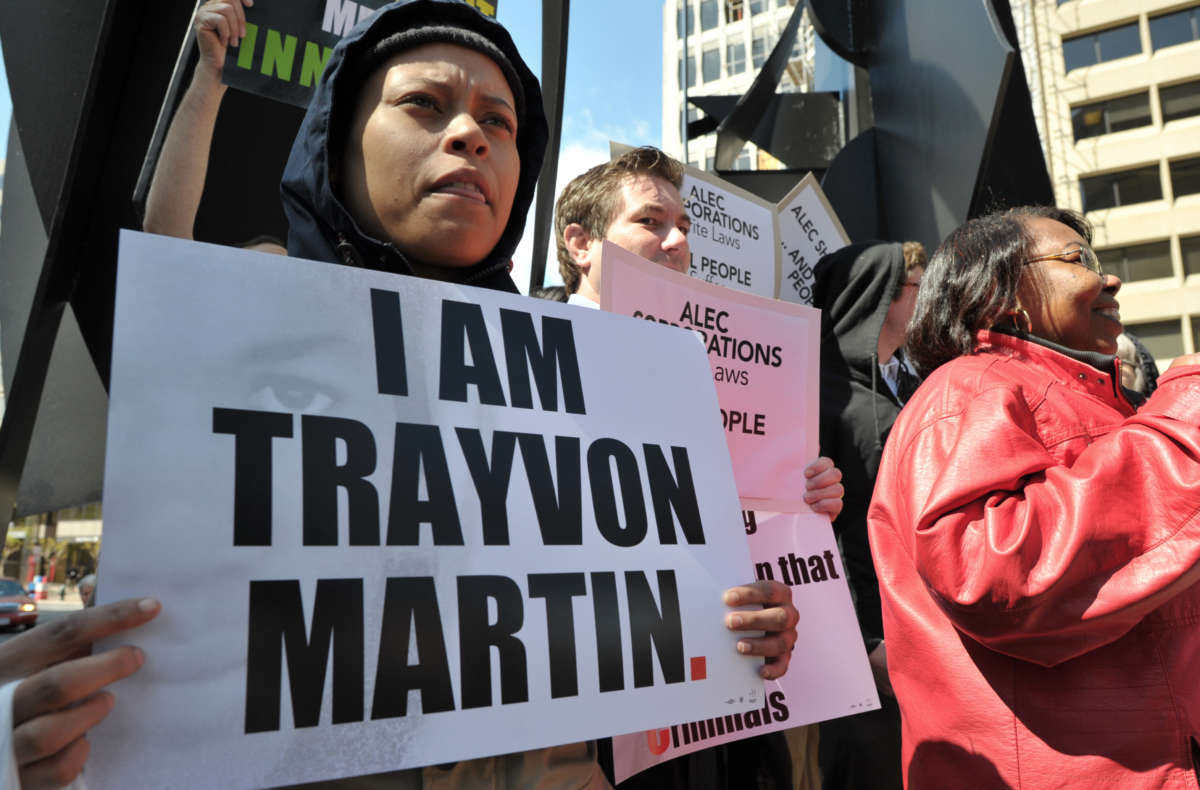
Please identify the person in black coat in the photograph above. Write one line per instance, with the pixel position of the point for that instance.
(866, 293)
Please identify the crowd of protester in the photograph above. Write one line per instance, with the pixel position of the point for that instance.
(1018, 529)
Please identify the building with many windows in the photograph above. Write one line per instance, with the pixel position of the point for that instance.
(728, 41)
(1116, 94)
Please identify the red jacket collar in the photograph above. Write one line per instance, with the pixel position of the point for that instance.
(1069, 370)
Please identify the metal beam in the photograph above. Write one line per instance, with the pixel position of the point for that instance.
(555, 22)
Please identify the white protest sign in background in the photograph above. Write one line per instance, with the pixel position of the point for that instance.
(388, 517)
(764, 355)
(808, 229)
(828, 676)
(742, 241)
(732, 239)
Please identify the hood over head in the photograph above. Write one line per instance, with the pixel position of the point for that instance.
(853, 289)
(320, 227)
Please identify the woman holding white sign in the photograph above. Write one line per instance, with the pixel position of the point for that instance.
(1033, 527)
(419, 155)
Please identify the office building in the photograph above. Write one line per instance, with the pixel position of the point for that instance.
(1116, 95)
(728, 41)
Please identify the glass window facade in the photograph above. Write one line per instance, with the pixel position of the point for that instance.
(1121, 189)
(709, 14)
(1113, 115)
(1175, 28)
(691, 21)
(758, 50)
(691, 73)
(1179, 101)
(1138, 261)
(710, 64)
(757, 6)
(1185, 176)
(735, 57)
(1163, 339)
(735, 10)
(1189, 250)
(1102, 45)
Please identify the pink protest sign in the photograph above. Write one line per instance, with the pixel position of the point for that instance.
(828, 676)
(764, 355)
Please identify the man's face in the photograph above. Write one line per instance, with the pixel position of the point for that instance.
(431, 161)
(900, 312)
(650, 221)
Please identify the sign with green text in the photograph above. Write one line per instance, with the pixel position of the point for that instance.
(288, 43)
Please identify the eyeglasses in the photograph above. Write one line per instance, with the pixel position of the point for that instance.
(1087, 259)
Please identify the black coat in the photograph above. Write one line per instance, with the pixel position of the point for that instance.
(854, 288)
(320, 228)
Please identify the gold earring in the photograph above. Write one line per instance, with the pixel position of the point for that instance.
(1022, 312)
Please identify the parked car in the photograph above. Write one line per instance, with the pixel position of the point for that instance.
(17, 608)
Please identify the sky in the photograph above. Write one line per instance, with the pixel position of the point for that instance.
(613, 89)
(5, 105)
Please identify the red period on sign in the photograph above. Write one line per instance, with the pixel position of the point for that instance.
(699, 669)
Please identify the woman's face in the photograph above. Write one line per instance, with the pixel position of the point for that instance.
(1067, 302)
(431, 160)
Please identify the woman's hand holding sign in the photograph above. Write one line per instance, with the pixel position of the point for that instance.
(219, 25)
(778, 619)
(62, 696)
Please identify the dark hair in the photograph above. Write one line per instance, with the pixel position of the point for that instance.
(592, 200)
(972, 279)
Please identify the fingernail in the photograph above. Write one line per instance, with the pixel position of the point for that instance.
(148, 604)
(731, 598)
(139, 656)
(743, 647)
(735, 621)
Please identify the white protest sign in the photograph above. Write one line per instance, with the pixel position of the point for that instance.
(741, 241)
(808, 229)
(388, 517)
(828, 675)
(764, 355)
(732, 237)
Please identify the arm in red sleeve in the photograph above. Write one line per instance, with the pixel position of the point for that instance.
(1043, 549)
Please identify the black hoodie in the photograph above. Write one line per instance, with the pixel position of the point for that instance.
(320, 227)
(854, 288)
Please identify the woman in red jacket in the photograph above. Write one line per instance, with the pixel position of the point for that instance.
(1036, 536)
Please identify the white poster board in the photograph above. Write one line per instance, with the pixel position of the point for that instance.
(732, 239)
(808, 229)
(741, 241)
(764, 355)
(828, 675)
(388, 517)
